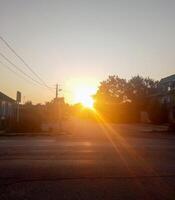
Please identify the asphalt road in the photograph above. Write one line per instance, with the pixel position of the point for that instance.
(90, 161)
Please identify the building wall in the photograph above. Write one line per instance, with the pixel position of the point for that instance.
(166, 95)
(6, 109)
(7, 112)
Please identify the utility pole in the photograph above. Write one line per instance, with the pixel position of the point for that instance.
(59, 108)
(56, 91)
(18, 100)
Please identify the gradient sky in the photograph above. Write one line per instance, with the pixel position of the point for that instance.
(68, 41)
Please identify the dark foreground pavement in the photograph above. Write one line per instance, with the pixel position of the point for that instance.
(92, 162)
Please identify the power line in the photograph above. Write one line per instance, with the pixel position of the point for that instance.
(23, 61)
(14, 72)
(19, 69)
(8, 45)
(19, 75)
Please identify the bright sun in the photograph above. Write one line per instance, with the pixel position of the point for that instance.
(87, 102)
(83, 95)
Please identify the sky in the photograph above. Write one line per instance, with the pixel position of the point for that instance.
(81, 42)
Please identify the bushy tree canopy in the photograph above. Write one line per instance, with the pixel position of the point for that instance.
(136, 90)
(111, 90)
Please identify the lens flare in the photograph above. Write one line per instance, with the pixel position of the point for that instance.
(83, 95)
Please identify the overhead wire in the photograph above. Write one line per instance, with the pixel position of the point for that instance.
(25, 63)
(22, 60)
(19, 75)
(19, 69)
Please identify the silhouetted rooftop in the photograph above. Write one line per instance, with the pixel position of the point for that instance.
(4, 97)
(168, 78)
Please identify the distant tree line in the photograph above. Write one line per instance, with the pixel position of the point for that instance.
(117, 100)
(32, 116)
(122, 100)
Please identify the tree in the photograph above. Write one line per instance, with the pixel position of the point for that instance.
(28, 104)
(109, 97)
(111, 90)
(119, 99)
(139, 90)
(158, 113)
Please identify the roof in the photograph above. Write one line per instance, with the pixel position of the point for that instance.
(4, 97)
(168, 79)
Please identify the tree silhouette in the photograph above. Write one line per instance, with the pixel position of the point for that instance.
(119, 99)
(111, 90)
(139, 90)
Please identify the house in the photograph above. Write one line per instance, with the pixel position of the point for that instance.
(166, 95)
(7, 109)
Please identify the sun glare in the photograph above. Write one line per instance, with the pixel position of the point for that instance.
(87, 102)
(83, 95)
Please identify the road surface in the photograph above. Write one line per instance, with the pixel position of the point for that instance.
(90, 161)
